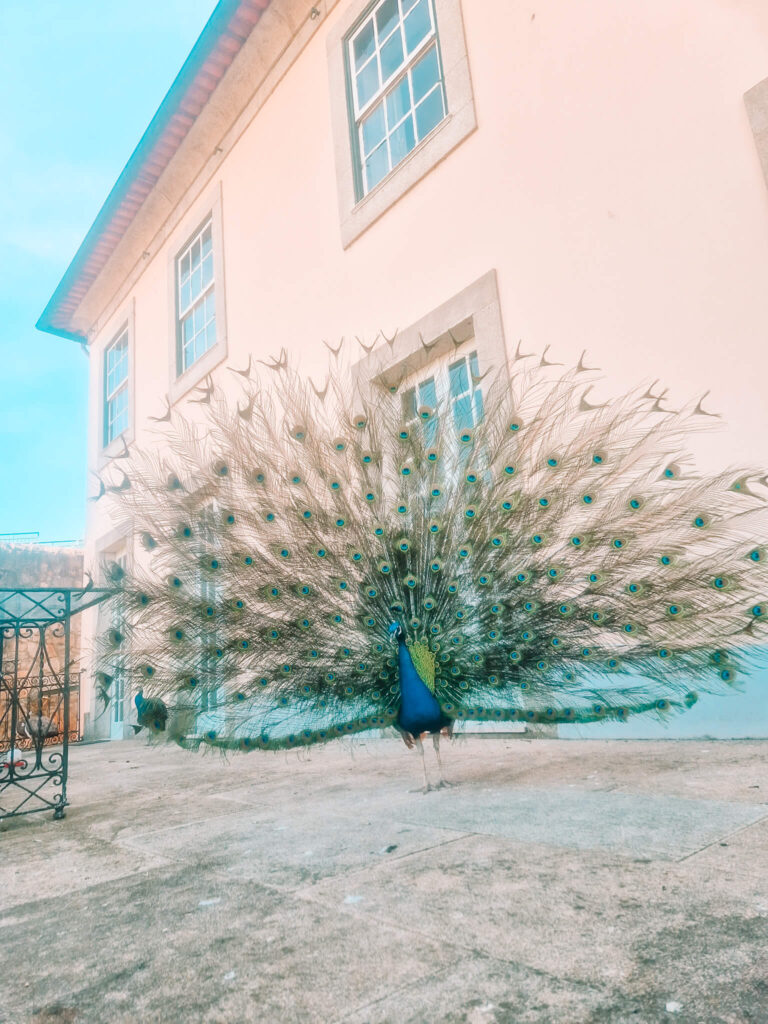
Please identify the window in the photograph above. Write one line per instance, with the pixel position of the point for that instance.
(397, 85)
(208, 695)
(401, 100)
(453, 389)
(117, 716)
(116, 408)
(465, 394)
(463, 357)
(420, 396)
(111, 615)
(195, 299)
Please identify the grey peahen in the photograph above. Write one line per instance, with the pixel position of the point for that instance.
(318, 561)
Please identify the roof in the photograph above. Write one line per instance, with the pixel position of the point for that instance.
(221, 40)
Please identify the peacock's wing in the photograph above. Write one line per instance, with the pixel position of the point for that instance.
(559, 560)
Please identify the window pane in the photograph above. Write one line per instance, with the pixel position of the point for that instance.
(363, 45)
(367, 83)
(402, 140)
(458, 377)
(207, 241)
(186, 328)
(376, 166)
(398, 102)
(478, 399)
(373, 129)
(430, 112)
(120, 421)
(462, 413)
(116, 354)
(391, 56)
(474, 366)
(121, 402)
(116, 365)
(184, 298)
(386, 18)
(417, 25)
(428, 393)
(407, 5)
(117, 414)
(207, 270)
(185, 266)
(425, 74)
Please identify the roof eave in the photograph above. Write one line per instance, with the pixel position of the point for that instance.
(53, 320)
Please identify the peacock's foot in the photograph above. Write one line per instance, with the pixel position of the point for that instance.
(445, 784)
(424, 789)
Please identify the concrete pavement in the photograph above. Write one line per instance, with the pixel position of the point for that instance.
(587, 882)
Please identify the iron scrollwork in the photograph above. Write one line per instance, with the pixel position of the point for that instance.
(39, 696)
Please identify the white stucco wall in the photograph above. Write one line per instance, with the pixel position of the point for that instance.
(612, 183)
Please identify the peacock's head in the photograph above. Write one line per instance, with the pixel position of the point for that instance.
(396, 631)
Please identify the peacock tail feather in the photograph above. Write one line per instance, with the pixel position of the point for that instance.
(560, 561)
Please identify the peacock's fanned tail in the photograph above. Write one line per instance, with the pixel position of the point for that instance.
(559, 562)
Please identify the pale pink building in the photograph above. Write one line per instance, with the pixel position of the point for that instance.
(578, 176)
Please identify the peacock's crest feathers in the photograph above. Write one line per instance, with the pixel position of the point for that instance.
(549, 559)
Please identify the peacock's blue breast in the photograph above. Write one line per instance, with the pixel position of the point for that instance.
(419, 710)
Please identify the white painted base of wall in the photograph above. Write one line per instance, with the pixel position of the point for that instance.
(735, 716)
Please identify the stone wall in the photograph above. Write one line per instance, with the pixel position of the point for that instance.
(36, 566)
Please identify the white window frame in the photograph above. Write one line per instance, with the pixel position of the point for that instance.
(113, 549)
(413, 396)
(209, 696)
(115, 329)
(358, 214)
(110, 394)
(403, 72)
(198, 300)
(207, 209)
(120, 689)
(473, 390)
(436, 378)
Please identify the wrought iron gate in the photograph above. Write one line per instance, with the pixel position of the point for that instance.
(37, 687)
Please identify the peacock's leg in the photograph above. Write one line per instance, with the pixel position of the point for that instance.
(406, 737)
(443, 781)
(427, 786)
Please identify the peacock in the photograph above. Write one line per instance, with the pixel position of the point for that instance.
(314, 561)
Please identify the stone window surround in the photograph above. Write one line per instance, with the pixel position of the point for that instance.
(473, 313)
(756, 102)
(356, 216)
(209, 207)
(126, 324)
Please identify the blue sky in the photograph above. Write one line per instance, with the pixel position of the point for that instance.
(81, 81)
